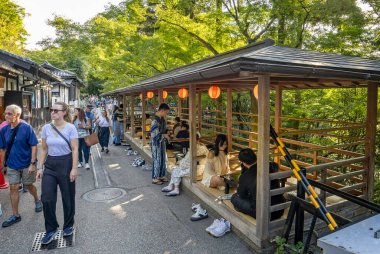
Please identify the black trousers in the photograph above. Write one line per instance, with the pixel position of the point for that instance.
(57, 173)
(104, 136)
(243, 205)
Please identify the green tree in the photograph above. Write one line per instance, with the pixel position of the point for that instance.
(12, 31)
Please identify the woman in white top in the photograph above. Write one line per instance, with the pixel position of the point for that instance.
(217, 163)
(60, 149)
(104, 130)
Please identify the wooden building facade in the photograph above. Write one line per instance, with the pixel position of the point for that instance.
(272, 69)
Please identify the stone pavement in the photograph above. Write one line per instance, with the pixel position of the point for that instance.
(142, 221)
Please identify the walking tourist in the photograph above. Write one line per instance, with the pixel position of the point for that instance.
(18, 144)
(58, 166)
(104, 130)
(82, 124)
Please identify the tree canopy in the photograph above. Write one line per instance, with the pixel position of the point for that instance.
(139, 38)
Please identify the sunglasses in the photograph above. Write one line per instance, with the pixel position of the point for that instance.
(56, 110)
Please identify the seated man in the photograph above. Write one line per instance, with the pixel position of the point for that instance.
(183, 133)
(244, 200)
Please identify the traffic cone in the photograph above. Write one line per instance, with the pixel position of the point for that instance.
(3, 183)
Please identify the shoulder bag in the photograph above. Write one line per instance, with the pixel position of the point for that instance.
(9, 147)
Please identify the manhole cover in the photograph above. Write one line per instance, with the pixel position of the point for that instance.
(59, 242)
(104, 195)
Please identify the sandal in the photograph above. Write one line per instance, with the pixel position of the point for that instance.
(157, 181)
(163, 179)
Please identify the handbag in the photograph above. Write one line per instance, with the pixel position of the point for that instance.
(92, 139)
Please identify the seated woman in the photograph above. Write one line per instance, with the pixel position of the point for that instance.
(183, 170)
(244, 200)
(217, 163)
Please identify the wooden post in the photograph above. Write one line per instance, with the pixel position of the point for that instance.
(143, 118)
(132, 115)
(277, 119)
(124, 115)
(179, 108)
(199, 111)
(263, 195)
(193, 133)
(370, 148)
(160, 98)
(229, 118)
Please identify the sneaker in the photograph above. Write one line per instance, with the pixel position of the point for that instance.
(79, 165)
(223, 227)
(68, 231)
(102, 149)
(195, 207)
(214, 224)
(49, 237)
(200, 214)
(11, 220)
(107, 151)
(168, 188)
(140, 163)
(135, 153)
(38, 207)
(87, 166)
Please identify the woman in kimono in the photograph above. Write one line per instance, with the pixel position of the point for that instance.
(158, 143)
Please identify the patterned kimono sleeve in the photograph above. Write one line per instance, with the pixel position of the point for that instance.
(155, 133)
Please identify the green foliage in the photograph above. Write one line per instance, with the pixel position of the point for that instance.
(12, 31)
(284, 248)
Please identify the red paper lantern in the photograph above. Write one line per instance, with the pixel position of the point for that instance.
(150, 94)
(256, 91)
(214, 92)
(164, 94)
(183, 93)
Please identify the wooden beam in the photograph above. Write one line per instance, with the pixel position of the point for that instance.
(132, 103)
(179, 107)
(370, 147)
(160, 98)
(124, 115)
(193, 133)
(143, 111)
(229, 118)
(263, 188)
(277, 115)
(200, 111)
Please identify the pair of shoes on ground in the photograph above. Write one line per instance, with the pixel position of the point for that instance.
(199, 214)
(107, 151)
(171, 190)
(219, 227)
(87, 166)
(49, 236)
(14, 219)
(138, 162)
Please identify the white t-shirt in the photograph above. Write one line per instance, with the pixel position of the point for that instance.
(57, 146)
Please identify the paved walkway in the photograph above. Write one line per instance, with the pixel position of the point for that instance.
(142, 221)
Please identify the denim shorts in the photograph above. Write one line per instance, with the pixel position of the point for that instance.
(21, 176)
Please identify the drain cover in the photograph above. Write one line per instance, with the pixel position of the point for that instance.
(104, 195)
(59, 242)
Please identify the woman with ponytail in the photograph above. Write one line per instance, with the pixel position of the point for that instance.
(58, 166)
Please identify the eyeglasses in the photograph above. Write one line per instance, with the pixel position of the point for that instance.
(55, 110)
(8, 114)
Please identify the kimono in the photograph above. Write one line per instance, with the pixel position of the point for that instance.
(158, 143)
